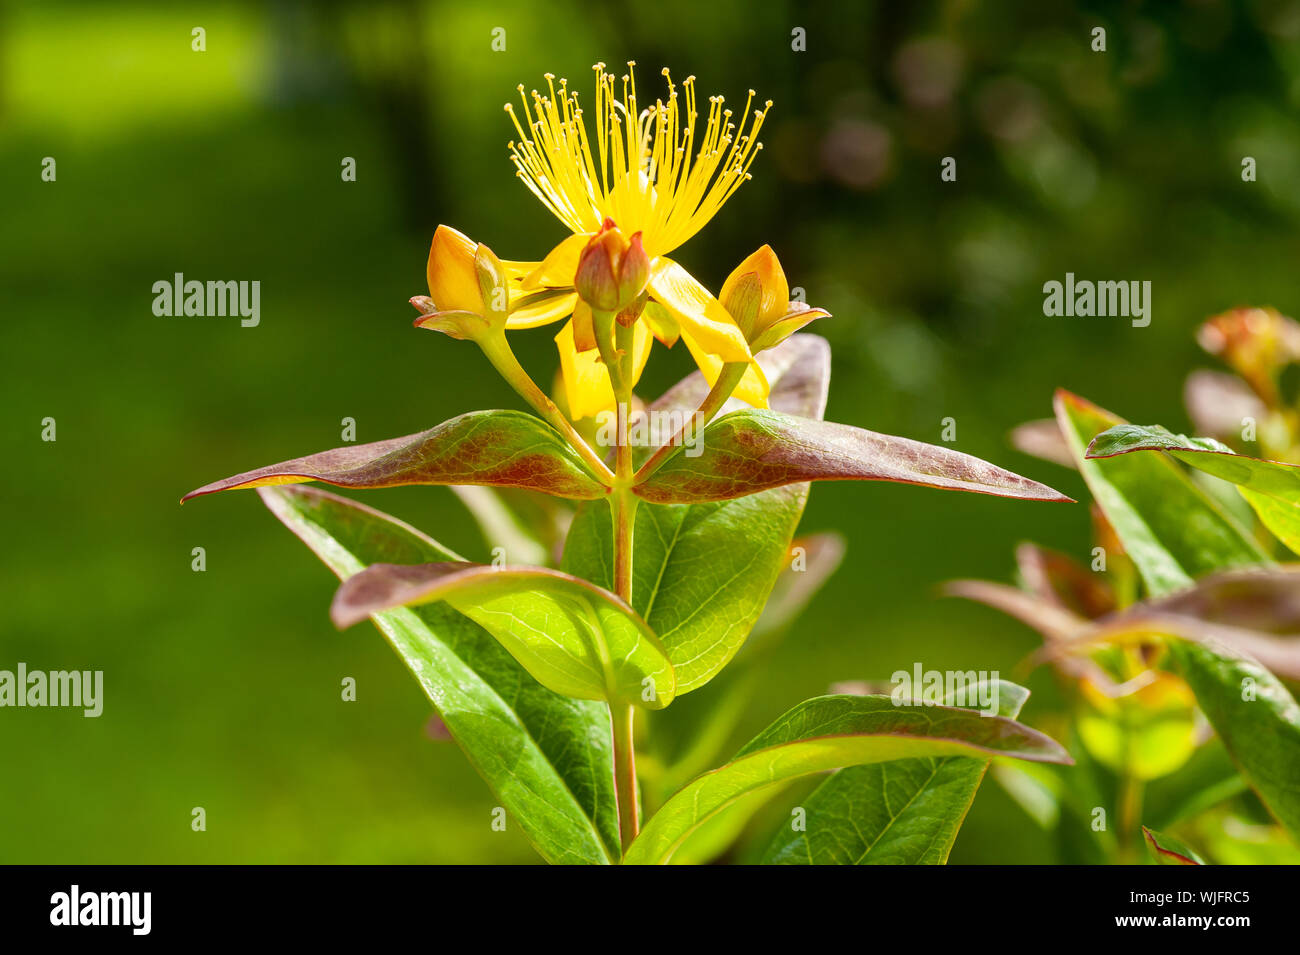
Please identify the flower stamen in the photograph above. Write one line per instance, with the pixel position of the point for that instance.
(647, 172)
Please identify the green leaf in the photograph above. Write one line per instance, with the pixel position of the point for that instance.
(506, 448)
(749, 451)
(1167, 850)
(546, 757)
(827, 733)
(1270, 487)
(571, 635)
(1256, 717)
(702, 572)
(1170, 528)
(905, 812)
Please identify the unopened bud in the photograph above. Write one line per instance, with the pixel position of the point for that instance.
(612, 270)
(757, 296)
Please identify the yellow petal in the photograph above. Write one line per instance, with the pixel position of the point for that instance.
(774, 301)
(642, 341)
(584, 327)
(753, 387)
(453, 277)
(697, 312)
(661, 323)
(559, 266)
(586, 379)
(515, 271)
(543, 311)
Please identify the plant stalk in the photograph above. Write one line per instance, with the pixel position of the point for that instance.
(727, 381)
(499, 353)
(622, 722)
(618, 357)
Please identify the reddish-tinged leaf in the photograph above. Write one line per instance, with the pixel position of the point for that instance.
(1167, 850)
(750, 451)
(1042, 439)
(504, 448)
(1063, 581)
(1055, 623)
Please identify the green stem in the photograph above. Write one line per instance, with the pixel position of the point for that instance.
(616, 351)
(498, 352)
(622, 719)
(1130, 812)
(727, 381)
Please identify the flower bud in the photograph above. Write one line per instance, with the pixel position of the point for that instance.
(468, 294)
(612, 270)
(1257, 342)
(757, 296)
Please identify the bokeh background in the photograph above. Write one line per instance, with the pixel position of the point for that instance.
(222, 687)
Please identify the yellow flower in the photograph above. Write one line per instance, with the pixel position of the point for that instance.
(648, 173)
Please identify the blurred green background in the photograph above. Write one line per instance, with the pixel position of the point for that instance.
(223, 687)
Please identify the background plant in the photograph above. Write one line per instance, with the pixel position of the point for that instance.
(1177, 642)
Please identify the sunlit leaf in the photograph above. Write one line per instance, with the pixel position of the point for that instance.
(904, 812)
(1270, 487)
(1256, 717)
(1169, 527)
(571, 635)
(829, 733)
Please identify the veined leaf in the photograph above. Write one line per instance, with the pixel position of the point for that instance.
(905, 812)
(1256, 717)
(546, 757)
(1270, 487)
(571, 635)
(749, 451)
(1170, 529)
(506, 448)
(1167, 850)
(831, 732)
(702, 572)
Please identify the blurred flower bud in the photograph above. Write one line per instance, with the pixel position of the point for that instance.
(468, 295)
(1257, 342)
(757, 296)
(612, 270)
